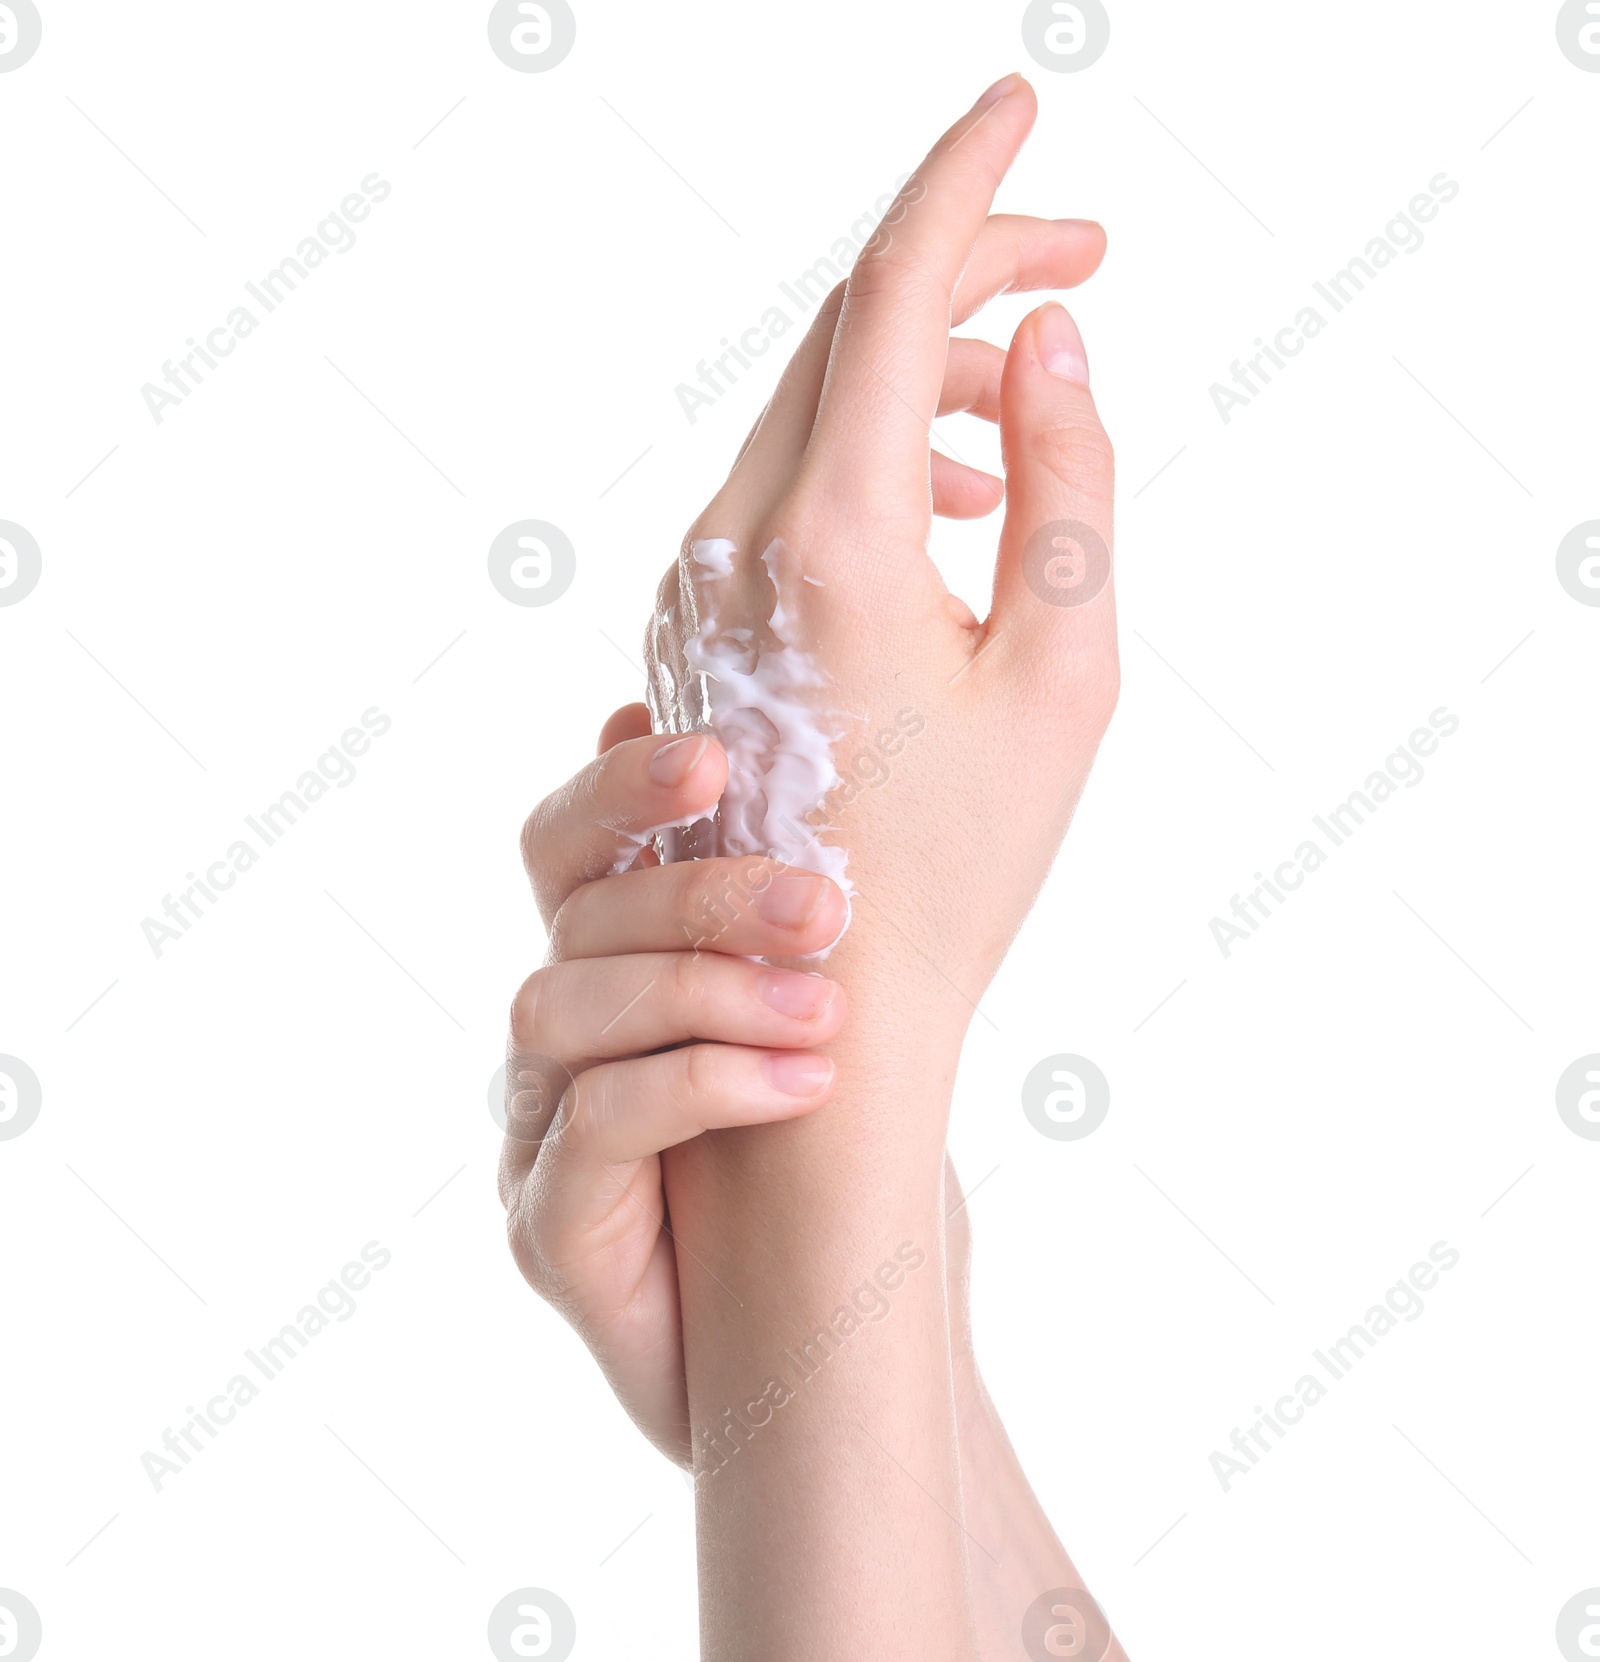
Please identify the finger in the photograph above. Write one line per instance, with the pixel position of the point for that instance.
(972, 375)
(593, 1010)
(590, 1194)
(629, 1110)
(972, 385)
(1018, 254)
(747, 907)
(1054, 615)
(962, 492)
(887, 364)
(632, 721)
(598, 822)
(784, 428)
(1013, 253)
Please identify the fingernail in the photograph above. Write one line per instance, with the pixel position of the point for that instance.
(790, 901)
(792, 993)
(798, 1075)
(673, 763)
(1004, 87)
(1061, 346)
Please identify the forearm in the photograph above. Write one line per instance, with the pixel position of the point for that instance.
(1014, 1555)
(821, 1395)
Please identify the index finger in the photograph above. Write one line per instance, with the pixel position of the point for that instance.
(888, 359)
(599, 822)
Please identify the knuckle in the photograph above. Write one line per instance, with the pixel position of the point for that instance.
(1089, 682)
(1099, 687)
(583, 1108)
(564, 922)
(529, 1011)
(889, 268)
(522, 1237)
(709, 902)
(688, 990)
(1077, 453)
(535, 834)
(539, 1011)
(699, 1072)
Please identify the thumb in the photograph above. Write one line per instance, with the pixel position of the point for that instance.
(1054, 619)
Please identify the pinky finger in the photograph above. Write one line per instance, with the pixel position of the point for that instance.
(624, 1111)
(962, 492)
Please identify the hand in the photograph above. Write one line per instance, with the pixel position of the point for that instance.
(583, 1192)
(648, 1025)
(989, 728)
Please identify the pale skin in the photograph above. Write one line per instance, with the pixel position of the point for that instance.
(722, 1153)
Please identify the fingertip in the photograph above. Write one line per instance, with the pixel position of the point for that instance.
(963, 492)
(832, 919)
(1089, 238)
(691, 766)
(800, 1074)
(803, 996)
(806, 912)
(1048, 340)
(632, 721)
(1014, 86)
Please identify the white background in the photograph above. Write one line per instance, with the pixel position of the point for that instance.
(1300, 587)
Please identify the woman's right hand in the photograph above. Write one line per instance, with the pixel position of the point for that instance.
(648, 1025)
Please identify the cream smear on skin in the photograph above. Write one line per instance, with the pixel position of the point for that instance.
(762, 696)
